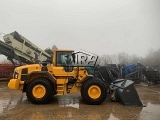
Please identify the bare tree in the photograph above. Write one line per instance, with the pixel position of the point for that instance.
(105, 59)
(134, 59)
(123, 58)
(152, 58)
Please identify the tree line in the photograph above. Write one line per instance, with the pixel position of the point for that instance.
(151, 58)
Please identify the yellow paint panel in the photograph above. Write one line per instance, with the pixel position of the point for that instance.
(14, 84)
(59, 71)
(74, 89)
(62, 81)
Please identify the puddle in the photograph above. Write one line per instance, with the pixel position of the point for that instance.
(150, 112)
(7, 104)
(112, 117)
(150, 107)
(37, 116)
(68, 102)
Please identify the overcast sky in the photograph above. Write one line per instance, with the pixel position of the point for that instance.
(97, 26)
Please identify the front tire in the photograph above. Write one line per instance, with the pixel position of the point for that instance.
(39, 91)
(94, 91)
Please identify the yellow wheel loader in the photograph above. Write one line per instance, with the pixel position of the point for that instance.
(65, 74)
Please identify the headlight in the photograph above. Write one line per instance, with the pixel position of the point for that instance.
(15, 75)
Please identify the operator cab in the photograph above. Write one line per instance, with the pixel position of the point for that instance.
(64, 58)
(70, 59)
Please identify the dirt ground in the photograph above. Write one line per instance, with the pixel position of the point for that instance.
(15, 106)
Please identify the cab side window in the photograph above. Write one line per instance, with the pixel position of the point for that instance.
(64, 59)
(58, 60)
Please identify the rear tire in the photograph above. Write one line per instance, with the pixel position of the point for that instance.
(39, 91)
(94, 91)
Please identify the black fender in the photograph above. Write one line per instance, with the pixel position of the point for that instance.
(87, 78)
(43, 74)
(91, 77)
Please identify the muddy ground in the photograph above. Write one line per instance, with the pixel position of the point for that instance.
(15, 106)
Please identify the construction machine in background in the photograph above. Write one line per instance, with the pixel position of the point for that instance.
(152, 74)
(68, 72)
(20, 50)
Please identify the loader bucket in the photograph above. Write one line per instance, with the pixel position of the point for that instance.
(126, 92)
